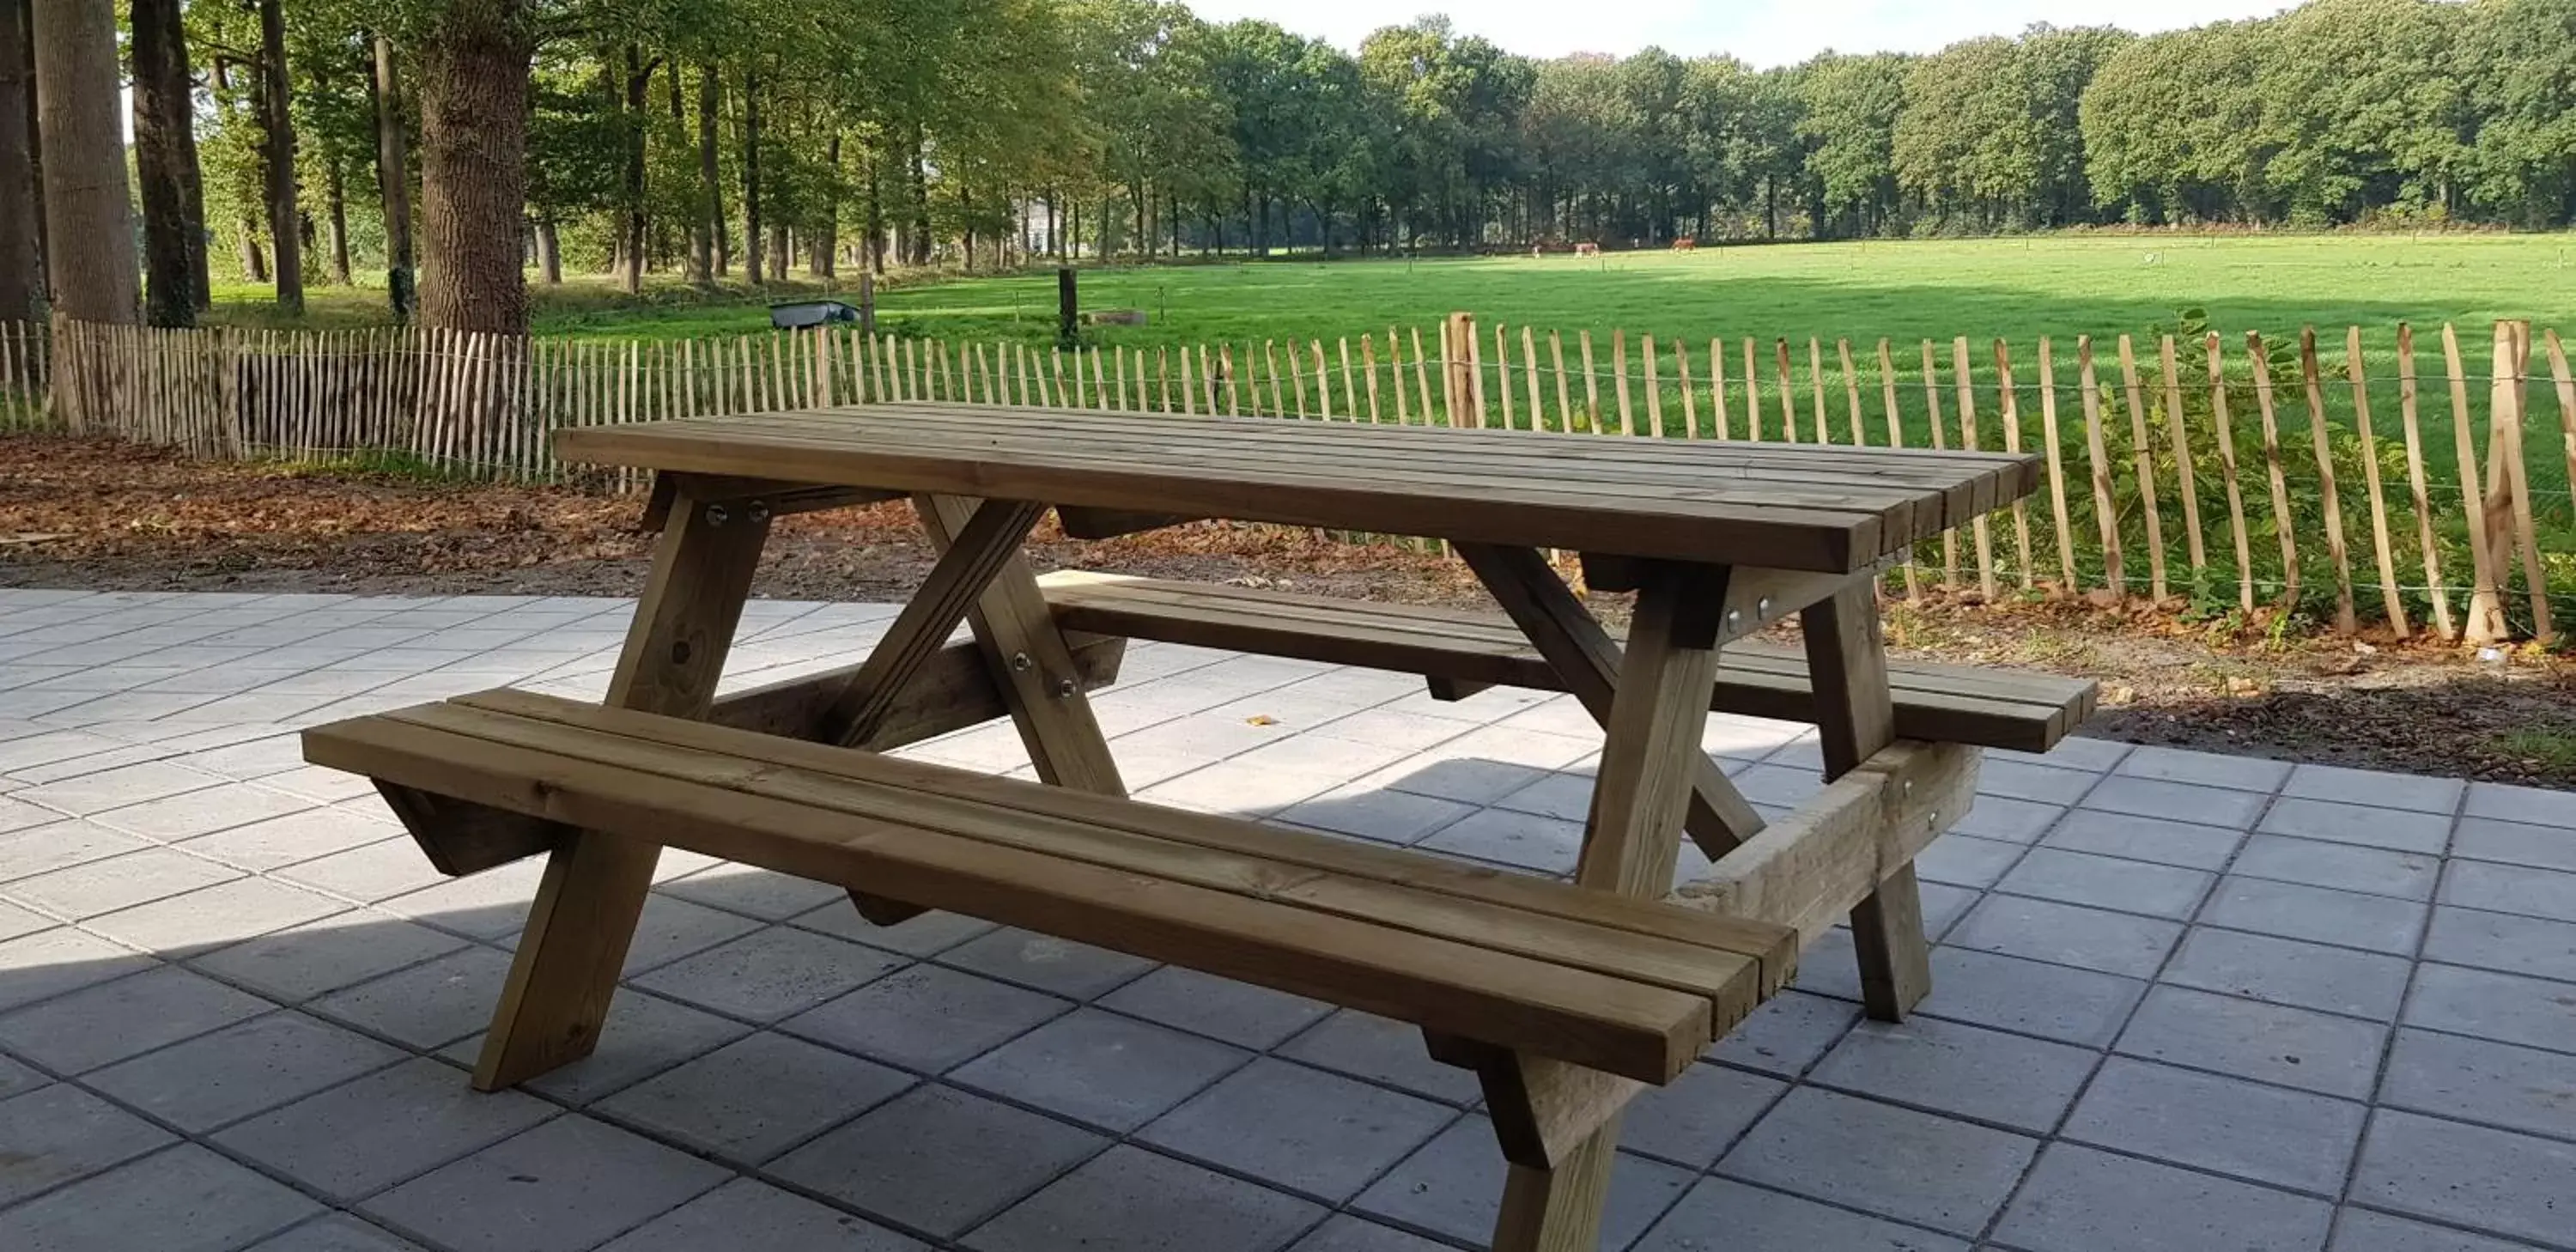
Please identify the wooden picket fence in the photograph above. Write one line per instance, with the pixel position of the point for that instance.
(2228, 467)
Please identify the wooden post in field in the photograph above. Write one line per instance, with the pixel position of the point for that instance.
(1564, 392)
(1068, 309)
(2115, 572)
(2282, 517)
(1368, 362)
(1470, 359)
(1502, 371)
(2142, 450)
(2390, 599)
(1457, 368)
(2227, 466)
(2321, 437)
(1421, 373)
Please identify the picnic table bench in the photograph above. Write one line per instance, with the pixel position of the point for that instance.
(1565, 998)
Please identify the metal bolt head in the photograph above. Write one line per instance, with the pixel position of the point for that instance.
(1909, 786)
(1734, 617)
(1020, 661)
(1762, 607)
(759, 512)
(716, 515)
(1065, 688)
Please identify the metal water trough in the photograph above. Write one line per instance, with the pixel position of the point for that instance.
(800, 314)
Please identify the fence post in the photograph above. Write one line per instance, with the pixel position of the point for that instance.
(1458, 338)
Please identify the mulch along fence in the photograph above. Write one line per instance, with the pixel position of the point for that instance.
(2375, 479)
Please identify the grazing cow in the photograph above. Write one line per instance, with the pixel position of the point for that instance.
(1587, 249)
(1686, 244)
(1536, 251)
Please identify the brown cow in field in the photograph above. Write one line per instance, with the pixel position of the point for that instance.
(1587, 249)
(1686, 243)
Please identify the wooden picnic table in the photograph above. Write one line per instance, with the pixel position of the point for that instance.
(1564, 999)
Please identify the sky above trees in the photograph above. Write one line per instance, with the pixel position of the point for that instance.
(1760, 32)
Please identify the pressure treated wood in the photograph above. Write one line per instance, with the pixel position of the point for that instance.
(1943, 703)
(568, 959)
(1532, 970)
(1804, 508)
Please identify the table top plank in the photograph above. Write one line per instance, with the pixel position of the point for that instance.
(1785, 506)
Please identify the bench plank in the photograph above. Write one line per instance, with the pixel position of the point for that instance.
(1092, 884)
(2028, 712)
(1775, 951)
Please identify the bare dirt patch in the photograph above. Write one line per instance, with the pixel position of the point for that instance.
(111, 516)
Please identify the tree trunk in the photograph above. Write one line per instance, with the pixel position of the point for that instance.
(165, 163)
(338, 189)
(89, 232)
(704, 232)
(827, 228)
(778, 252)
(549, 253)
(393, 183)
(277, 155)
(21, 273)
(474, 70)
(639, 83)
(751, 242)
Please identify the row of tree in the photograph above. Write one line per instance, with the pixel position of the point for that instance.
(702, 137)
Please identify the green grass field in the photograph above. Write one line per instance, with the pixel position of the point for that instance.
(1906, 291)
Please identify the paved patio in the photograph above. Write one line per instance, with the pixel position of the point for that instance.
(2182, 1001)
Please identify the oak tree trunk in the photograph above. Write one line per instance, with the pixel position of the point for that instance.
(277, 154)
(21, 270)
(165, 163)
(920, 201)
(549, 253)
(89, 232)
(393, 183)
(474, 70)
(876, 216)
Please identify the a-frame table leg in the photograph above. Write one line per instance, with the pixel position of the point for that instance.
(1031, 664)
(1855, 717)
(569, 956)
(1649, 764)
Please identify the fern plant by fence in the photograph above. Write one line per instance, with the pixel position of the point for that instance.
(2355, 477)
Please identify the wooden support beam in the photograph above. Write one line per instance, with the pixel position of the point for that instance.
(1451, 690)
(461, 838)
(1542, 1109)
(1809, 869)
(1085, 522)
(1588, 660)
(1855, 717)
(967, 563)
(776, 498)
(568, 959)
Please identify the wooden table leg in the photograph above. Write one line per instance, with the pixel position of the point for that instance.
(1644, 790)
(1589, 661)
(574, 945)
(1031, 664)
(1847, 663)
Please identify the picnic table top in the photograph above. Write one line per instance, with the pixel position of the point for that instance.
(1770, 505)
